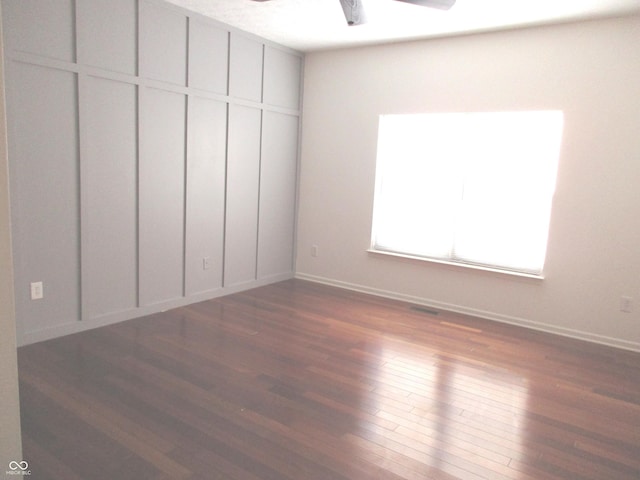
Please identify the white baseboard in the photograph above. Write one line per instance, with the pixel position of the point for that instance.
(88, 324)
(497, 317)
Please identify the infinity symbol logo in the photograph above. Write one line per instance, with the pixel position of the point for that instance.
(13, 465)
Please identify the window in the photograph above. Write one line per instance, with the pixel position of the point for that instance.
(468, 188)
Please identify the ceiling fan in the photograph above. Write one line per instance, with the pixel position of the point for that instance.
(355, 15)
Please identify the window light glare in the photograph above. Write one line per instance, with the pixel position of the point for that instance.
(467, 187)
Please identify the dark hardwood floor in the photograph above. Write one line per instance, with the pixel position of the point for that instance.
(302, 381)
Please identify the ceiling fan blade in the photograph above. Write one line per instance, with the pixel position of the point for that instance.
(353, 12)
(440, 4)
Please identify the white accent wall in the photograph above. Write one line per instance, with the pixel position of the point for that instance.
(589, 70)
(153, 160)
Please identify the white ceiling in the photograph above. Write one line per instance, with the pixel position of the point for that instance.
(308, 25)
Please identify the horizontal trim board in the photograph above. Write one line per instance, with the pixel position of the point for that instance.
(97, 72)
(520, 322)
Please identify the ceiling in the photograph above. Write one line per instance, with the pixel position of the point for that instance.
(308, 25)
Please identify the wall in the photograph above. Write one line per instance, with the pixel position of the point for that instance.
(589, 70)
(153, 156)
(10, 438)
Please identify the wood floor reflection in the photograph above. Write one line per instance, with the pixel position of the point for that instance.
(302, 381)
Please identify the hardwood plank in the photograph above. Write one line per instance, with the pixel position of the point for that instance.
(303, 381)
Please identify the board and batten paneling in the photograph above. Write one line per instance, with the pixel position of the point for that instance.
(161, 184)
(108, 147)
(43, 28)
(163, 43)
(245, 67)
(107, 31)
(208, 57)
(206, 171)
(277, 188)
(44, 185)
(281, 78)
(135, 146)
(243, 183)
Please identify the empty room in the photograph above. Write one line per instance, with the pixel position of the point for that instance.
(320, 239)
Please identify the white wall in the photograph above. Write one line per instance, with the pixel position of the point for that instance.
(589, 70)
(10, 442)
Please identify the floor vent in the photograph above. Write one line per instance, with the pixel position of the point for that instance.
(426, 310)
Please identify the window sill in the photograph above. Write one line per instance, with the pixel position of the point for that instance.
(457, 264)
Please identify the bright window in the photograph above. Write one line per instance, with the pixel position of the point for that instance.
(470, 188)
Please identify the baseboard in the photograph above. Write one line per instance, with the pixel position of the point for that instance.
(497, 317)
(72, 327)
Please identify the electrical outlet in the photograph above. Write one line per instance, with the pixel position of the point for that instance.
(626, 304)
(37, 291)
(206, 263)
(314, 250)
